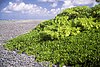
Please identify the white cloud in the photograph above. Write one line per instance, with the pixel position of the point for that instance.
(35, 10)
(73, 3)
(83, 2)
(54, 4)
(55, 11)
(8, 11)
(29, 9)
(48, 0)
(18, 0)
(67, 4)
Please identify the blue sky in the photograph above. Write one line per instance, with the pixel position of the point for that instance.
(37, 9)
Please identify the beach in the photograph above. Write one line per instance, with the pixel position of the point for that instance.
(12, 29)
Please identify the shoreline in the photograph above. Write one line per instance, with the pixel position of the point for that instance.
(19, 21)
(12, 58)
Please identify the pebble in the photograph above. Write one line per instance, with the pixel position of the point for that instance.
(12, 58)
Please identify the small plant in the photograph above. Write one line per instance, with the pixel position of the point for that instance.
(72, 38)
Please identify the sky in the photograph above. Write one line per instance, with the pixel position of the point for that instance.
(37, 9)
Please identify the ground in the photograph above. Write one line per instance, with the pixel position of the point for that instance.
(9, 30)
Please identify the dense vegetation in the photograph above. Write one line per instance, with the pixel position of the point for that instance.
(72, 38)
(97, 0)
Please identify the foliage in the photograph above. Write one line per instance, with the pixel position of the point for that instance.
(96, 12)
(76, 12)
(72, 38)
(97, 0)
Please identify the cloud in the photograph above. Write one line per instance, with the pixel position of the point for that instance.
(83, 2)
(54, 4)
(67, 4)
(18, 7)
(73, 3)
(19, 0)
(48, 0)
(55, 11)
(32, 9)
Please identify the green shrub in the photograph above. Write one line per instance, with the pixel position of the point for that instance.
(72, 38)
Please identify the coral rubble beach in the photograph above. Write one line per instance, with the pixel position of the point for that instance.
(11, 29)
